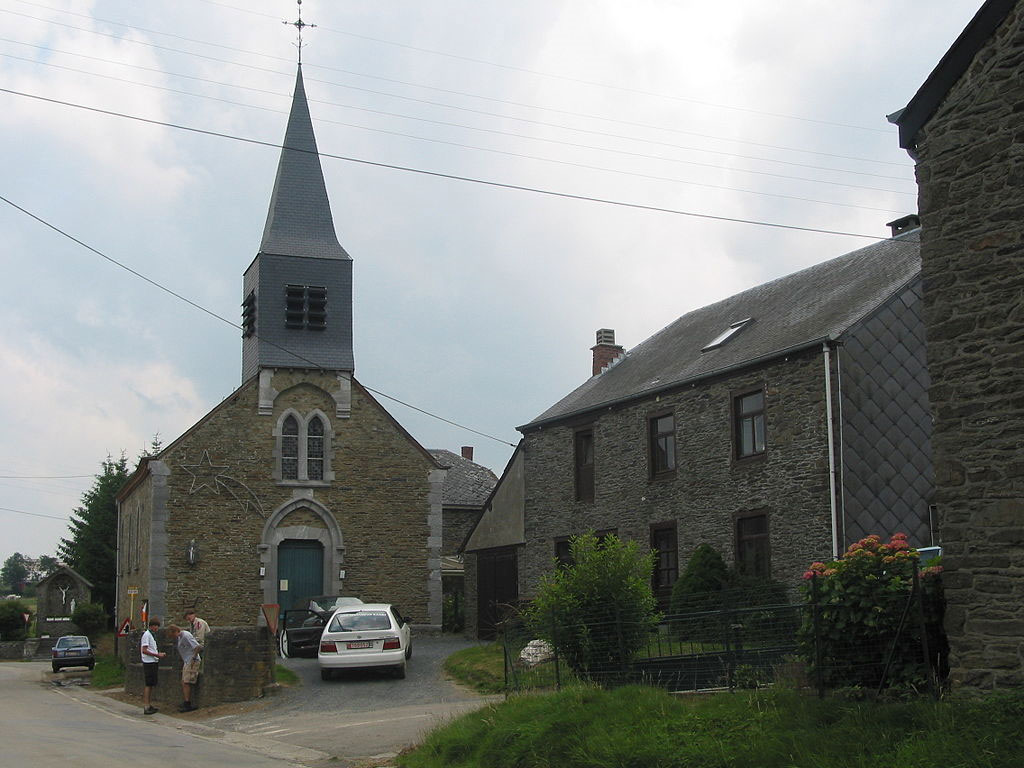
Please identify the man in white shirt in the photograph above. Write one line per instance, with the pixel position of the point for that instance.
(189, 649)
(151, 656)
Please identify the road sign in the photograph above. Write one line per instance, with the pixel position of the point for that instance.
(125, 628)
(132, 590)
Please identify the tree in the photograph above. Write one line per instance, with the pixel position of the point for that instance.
(12, 619)
(600, 610)
(47, 565)
(14, 573)
(91, 619)
(92, 547)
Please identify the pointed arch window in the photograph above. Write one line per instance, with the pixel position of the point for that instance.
(315, 448)
(303, 448)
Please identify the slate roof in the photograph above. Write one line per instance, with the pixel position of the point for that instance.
(467, 483)
(299, 222)
(790, 313)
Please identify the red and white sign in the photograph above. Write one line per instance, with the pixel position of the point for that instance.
(125, 628)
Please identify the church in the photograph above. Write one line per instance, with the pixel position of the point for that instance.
(299, 483)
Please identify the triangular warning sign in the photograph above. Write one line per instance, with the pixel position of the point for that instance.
(125, 628)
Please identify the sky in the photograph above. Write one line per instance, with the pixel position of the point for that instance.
(477, 302)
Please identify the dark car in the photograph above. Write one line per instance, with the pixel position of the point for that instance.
(302, 626)
(72, 651)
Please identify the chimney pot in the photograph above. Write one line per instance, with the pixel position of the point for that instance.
(467, 452)
(605, 351)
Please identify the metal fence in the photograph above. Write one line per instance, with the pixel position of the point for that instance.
(735, 641)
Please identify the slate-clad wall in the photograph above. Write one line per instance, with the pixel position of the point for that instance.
(709, 489)
(888, 479)
(971, 177)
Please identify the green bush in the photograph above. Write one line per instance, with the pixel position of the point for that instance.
(12, 620)
(860, 600)
(91, 619)
(699, 591)
(600, 610)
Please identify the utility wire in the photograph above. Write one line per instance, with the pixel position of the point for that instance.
(451, 176)
(462, 126)
(566, 78)
(223, 319)
(36, 514)
(43, 477)
(522, 155)
(451, 91)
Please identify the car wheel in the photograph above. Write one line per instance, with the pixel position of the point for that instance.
(400, 671)
(56, 669)
(91, 666)
(282, 643)
(326, 674)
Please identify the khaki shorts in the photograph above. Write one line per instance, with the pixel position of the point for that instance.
(190, 671)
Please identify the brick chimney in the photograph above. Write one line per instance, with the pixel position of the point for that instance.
(467, 452)
(904, 224)
(606, 350)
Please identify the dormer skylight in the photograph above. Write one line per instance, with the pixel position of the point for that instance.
(725, 335)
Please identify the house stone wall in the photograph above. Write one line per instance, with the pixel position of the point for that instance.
(708, 489)
(971, 178)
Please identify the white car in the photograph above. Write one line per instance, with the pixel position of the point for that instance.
(367, 635)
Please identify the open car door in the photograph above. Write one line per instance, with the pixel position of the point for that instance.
(300, 632)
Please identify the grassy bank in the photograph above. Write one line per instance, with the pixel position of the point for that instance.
(648, 728)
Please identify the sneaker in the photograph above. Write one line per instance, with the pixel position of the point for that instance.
(150, 711)
(183, 707)
(190, 707)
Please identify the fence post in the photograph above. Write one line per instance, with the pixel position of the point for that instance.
(819, 675)
(621, 642)
(554, 648)
(933, 689)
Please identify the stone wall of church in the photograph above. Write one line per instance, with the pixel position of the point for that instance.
(971, 178)
(221, 492)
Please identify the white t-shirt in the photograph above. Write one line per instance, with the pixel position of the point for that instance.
(148, 641)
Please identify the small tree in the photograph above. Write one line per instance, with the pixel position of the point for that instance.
(12, 620)
(699, 591)
(14, 573)
(90, 618)
(599, 611)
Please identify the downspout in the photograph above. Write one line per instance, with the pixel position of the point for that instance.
(831, 450)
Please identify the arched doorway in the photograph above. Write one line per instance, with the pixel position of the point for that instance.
(300, 570)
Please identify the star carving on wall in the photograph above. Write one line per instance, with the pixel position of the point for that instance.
(204, 473)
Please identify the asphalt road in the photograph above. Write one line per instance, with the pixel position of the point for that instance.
(362, 715)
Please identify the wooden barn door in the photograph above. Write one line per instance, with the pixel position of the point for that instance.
(300, 571)
(497, 586)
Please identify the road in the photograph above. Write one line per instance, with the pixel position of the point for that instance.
(46, 727)
(362, 718)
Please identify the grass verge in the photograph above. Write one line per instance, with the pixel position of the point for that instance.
(285, 676)
(108, 672)
(481, 667)
(643, 727)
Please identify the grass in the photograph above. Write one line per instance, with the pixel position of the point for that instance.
(636, 727)
(108, 672)
(285, 676)
(481, 667)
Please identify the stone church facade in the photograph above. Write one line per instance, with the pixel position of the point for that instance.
(299, 482)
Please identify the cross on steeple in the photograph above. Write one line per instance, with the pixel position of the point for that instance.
(299, 24)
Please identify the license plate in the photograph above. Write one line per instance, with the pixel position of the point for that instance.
(360, 644)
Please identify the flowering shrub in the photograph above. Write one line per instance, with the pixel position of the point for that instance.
(859, 601)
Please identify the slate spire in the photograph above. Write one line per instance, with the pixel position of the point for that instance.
(299, 222)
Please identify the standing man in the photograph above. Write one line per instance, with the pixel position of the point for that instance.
(198, 627)
(188, 648)
(151, 656)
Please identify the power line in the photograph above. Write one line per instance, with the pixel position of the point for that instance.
(35, 514)
(223, 319)
(441, 90)
(451, 176)
(566, 78)
(43, 477)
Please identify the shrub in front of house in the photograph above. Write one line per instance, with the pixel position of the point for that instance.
(91, 619)
(12, 620)
(598, 611)
(861, 617)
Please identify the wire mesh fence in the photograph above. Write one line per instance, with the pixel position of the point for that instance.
(734, 641)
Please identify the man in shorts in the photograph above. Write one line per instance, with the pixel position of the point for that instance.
(188, 648)
(151, 656)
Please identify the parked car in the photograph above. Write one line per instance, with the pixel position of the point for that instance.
(72, 651)
(361, 636)
(302, 625)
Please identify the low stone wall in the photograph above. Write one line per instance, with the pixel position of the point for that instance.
(37, 648)
(238, 665)
(12, 649)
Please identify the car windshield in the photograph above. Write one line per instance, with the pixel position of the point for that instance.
(73, 642)
(357, 621)
(330, 603)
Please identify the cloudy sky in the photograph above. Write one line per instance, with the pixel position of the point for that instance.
(475, 302)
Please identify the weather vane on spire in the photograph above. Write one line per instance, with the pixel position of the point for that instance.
(299, 25)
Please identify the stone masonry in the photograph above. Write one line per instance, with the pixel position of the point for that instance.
(971, 177)
(790, 482)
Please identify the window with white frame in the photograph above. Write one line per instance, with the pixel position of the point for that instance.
(303, 448)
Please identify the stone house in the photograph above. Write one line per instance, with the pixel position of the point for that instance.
(964, 129)
(778, 425)
(299, 482)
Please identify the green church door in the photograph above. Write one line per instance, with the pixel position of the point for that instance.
(300, 571)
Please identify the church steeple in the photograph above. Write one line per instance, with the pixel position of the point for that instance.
(297, 293)
(299, 222)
